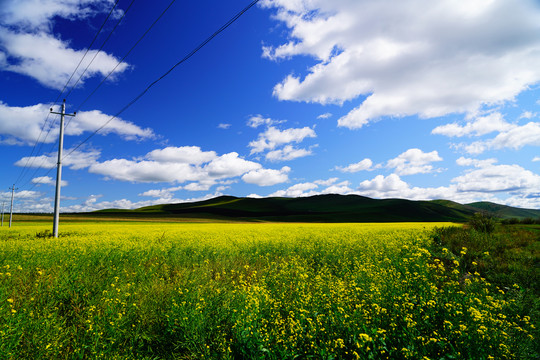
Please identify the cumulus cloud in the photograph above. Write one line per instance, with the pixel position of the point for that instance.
(229, 165)
(392, 186)
(93, 204)
(362, 165)
(258, 120)
(274, 137)
(324, 116)
(527, 115)
(482, 125)
(47, 180)
(498, 178)
(456, 58)
(514, 138)
(462, 161)
(536, 158)
(90, 121)
(145, 171)
(288, 152)
(155, 193)
(224, 126)
(184, 154)
(39, 14)
(27, 201)
(188, 164)
(414, 161)
(22, 125)
(78, 159)
(481, 183)
(314, 188)
(267, 177)
(30, 48)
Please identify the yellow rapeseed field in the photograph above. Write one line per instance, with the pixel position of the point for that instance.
(248, 291)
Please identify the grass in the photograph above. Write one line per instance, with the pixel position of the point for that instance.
(253, 291)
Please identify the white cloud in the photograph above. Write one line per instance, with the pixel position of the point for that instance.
(527, 115)
(267, 177)
(50, 60)
(20, 195)
(515, 138)
(184, 154)
(230, 165)
(76, 160)
(324, 116)
(341, 188)
(498, 178)
(297, 190)
(162, 193)
(462, 161)
(200, 186)
(312, 188)
(47, 180)
(26, 201)
(493, 122)
(202, 169)
(91, 204)
(24, 124)
(224, 126)
(536, 158)
(287, 153)
(39, 14)
(145, 171)
(391, 183)
(274, 137)
(414, 161)
(392, 186)
(258, 120)
(30, 48)
(90, 121)
(365, 164)
(456, 58)
(326, 182)
(480, 184)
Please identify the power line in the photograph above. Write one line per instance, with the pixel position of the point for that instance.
(24, 170)
(99, 50)
(99, 85)
(126, 55)
(185, 58)
(87, 49)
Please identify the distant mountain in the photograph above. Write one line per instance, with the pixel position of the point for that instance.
(505, 212)
(323, 208)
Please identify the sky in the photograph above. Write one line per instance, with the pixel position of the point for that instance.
(411, 99)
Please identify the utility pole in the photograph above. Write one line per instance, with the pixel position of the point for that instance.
(59, 167)
(11, 209)
(3, 203)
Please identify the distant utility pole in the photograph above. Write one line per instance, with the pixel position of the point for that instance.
(59, 167)
(11, 209)
(3, 203)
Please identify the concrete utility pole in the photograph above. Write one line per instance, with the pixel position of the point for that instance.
(59, 167)
(11, 209)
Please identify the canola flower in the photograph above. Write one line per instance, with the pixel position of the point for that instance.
(255, 291)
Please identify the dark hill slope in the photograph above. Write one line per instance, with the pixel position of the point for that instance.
(505, 212)
(319, 208)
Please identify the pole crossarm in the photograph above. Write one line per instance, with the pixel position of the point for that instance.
(59, 167)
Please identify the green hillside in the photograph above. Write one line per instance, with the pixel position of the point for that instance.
(322, 208)
(505, 212)
(319, 208)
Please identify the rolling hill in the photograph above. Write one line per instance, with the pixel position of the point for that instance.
(323, 208)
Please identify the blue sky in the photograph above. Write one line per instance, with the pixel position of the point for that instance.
(387, 99)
